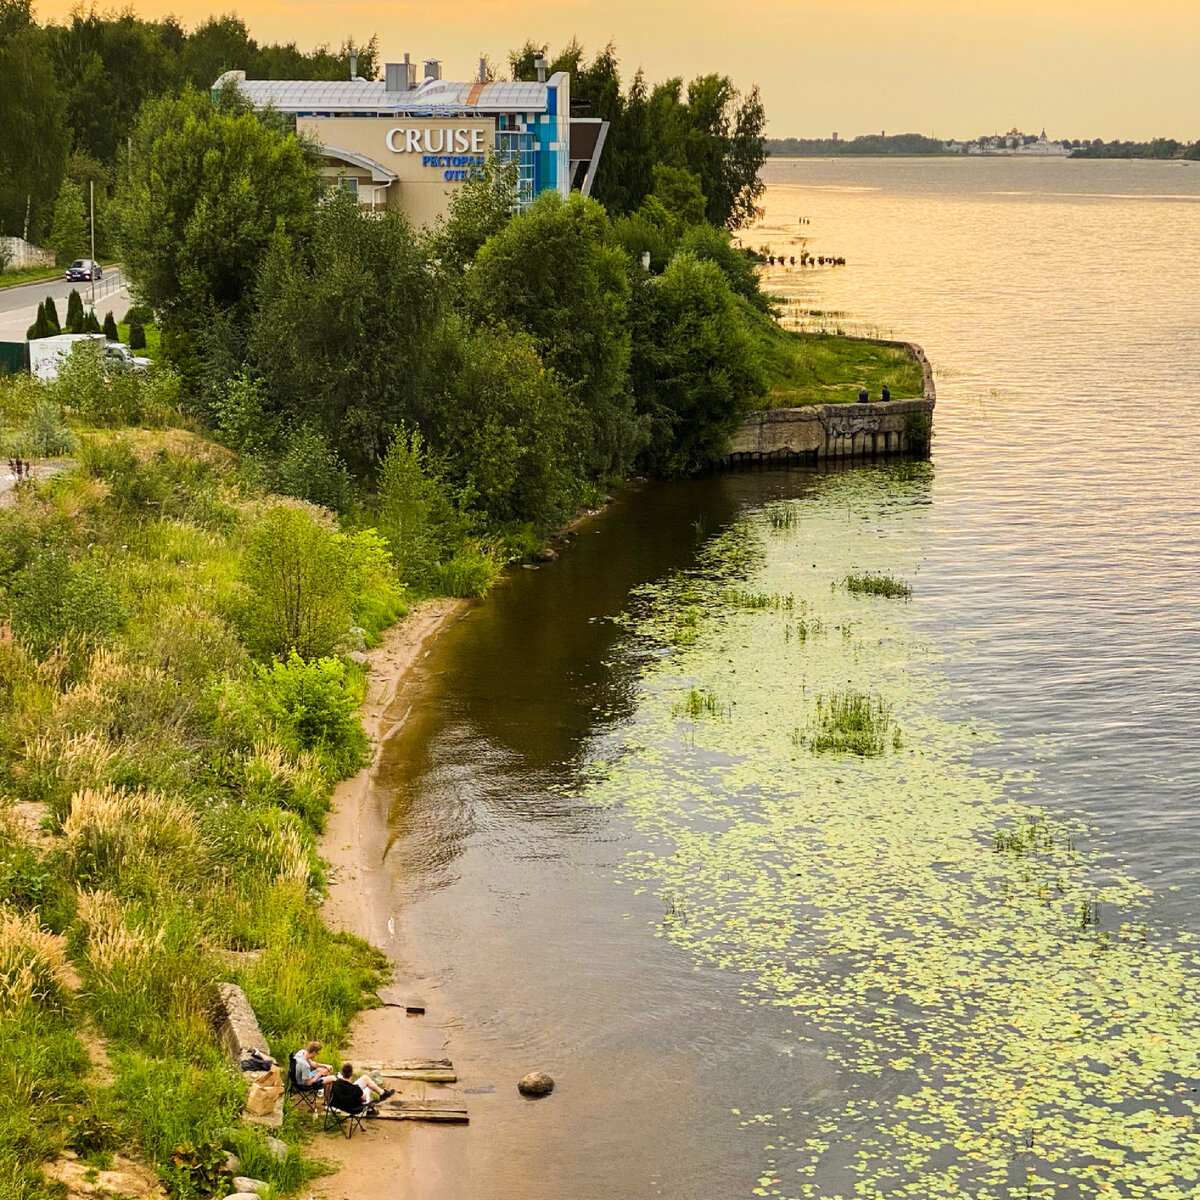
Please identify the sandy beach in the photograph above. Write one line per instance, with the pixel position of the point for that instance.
(354, 843)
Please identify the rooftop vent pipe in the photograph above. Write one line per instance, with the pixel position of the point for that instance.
(433, 69)
(353, 64)
(540, 63)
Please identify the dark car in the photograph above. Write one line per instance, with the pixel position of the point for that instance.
(83, 268)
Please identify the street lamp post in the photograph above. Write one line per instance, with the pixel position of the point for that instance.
(92, 272)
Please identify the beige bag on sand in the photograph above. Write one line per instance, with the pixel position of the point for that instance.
(264, 1093)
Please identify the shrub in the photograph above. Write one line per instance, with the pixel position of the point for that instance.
(19, 395)
(503, 426)
(315, 709)
(197, 1171)
(52, 315)
(110, 328)
(140, 314)
(44, 434)
(468, 574)
(79, 385)
(301, 597)
(75, 318)
(243, 422)
(408, 506)
(55, 599)
(137, 336)
(312, 471)
(41, 327)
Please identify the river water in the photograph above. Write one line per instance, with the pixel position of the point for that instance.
(963, 966)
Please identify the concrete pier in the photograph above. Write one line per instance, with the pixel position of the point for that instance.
(838, 431)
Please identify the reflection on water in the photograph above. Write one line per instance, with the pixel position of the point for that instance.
(652, 908)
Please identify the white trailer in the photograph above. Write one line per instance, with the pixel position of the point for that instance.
(46, 354)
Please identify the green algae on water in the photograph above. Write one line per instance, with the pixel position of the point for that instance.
(914, 919)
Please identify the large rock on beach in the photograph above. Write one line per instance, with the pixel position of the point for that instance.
(277, 1149)
(536, 1083)
(243, 1185)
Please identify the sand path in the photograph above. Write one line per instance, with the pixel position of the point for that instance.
(354, 843)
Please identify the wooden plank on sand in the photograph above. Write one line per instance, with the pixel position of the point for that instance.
(407, 1064)
(420, 1110)
(425, 1076)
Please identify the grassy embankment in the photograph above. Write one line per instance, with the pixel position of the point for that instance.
(179, 778)
(15, 276)
(819, 368)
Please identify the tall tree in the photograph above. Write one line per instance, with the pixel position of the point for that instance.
(341, 332)
(33, 135)
(205, 192)
(108, 66)
(69, 232)
(555, 272)
(694, 367)
(218, 45)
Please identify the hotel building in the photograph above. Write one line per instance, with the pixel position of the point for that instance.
(397, 143)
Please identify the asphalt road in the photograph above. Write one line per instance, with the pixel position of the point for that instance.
(30, 295)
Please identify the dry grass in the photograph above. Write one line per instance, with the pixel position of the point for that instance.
(111, 941)
(33, 962)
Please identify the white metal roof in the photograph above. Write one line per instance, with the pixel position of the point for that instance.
(379, 173)
(369, 96)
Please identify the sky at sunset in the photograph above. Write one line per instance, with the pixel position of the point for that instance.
(949, 68)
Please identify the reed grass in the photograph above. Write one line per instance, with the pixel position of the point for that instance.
(738, 598)
(699, 704)
(849, 722)
(875, 583)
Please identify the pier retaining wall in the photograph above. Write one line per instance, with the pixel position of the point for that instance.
(839, 431)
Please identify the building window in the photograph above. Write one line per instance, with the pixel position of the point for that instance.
(350, 185)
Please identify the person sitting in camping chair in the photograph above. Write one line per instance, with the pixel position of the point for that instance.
(349, 1100)
(370, 1093)
(307, 1077)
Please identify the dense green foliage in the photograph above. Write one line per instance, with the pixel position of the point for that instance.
(555, 273)
(1156, 148)
(708, 129)
(179, 646)
(342, 327)
(68, 234)
(207, 189)
(183, 783)
(694, 364)
(34, 139)
(70, 94)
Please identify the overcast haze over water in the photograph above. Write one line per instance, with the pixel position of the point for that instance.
(1052, 551)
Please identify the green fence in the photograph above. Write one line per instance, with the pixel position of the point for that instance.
(14, 357)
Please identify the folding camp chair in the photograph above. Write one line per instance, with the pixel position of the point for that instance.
(344, 1107)
(305, 1093)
